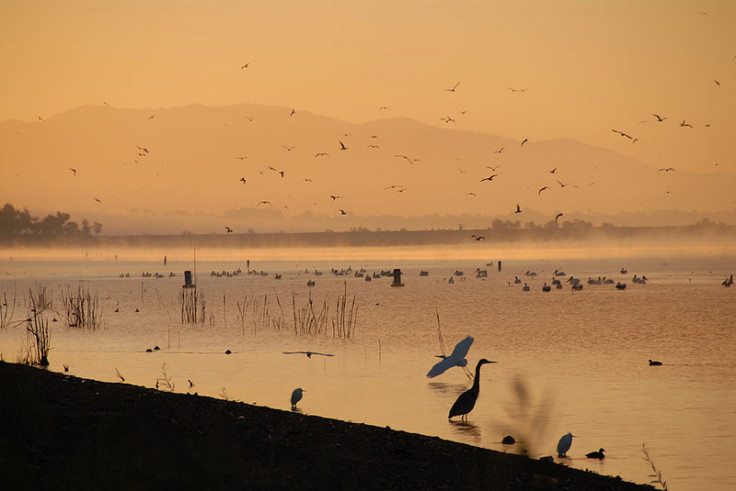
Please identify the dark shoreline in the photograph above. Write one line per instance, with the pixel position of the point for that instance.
(63, 432)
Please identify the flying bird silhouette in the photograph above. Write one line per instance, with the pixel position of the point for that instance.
(406, 158)
(518, 208)
(557, 217)
(289, 149)
(543, 188)
(264, 202)
(322, 154)
(244, 66)
(342, 145)
(308, 353)
(685, 123)
(343, 212)
(455, 359)
(499, 150)
(228, 229)
(553, 170)
(517, 90)
(277, 171)
(625, 135)
(489, 178)
(242, 179)
(666, 169)
(452, 89)
(525, 140)
(73, 170)
(478, 237)
(659, 118)
(98, 200)
(334, 197)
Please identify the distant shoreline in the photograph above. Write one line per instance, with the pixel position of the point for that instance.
(698, 232)
(61, 431)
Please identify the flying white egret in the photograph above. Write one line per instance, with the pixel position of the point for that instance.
(296, 396)
(466, 401)
(456, 358)
(564, 444)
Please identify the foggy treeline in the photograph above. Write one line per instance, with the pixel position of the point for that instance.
(19, 224)
(19, 227)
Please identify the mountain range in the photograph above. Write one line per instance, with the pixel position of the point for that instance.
(265, 168)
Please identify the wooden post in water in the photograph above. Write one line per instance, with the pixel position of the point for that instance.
(397, 278)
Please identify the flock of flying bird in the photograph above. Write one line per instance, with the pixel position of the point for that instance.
(342, 146)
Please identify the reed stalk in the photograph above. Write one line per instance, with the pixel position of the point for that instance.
(81, 309)
(37, 328)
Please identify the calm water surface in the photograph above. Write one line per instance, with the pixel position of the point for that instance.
(567, 361)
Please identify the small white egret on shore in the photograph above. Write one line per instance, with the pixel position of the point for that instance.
(456, 358)
(296, 396)
(564, 444)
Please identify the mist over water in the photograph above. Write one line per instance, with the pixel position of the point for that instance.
(567, 361)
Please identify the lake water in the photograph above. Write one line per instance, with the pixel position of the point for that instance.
(568, 361)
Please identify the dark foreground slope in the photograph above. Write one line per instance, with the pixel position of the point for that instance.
(62, 432)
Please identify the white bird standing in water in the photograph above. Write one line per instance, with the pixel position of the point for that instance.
(456, 358)
(564, 444)
(296, 396)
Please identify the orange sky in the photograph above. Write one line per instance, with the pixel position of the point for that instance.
(588, 66)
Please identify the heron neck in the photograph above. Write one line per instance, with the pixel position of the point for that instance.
(476, 382)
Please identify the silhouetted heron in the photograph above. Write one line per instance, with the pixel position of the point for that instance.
(466, 401)
(296, 396)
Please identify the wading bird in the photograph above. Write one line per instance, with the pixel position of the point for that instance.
(308, 353)
(564, 444)
(596, 455)
(456, 358)
(296, 396)
(466, 401)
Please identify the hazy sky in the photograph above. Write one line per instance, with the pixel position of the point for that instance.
(587, 66)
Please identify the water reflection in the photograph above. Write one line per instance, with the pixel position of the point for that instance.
(469, 431)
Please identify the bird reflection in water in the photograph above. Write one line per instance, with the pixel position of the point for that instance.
(469, 431)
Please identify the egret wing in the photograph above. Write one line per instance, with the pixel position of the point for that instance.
(441, 367)
(461, 349)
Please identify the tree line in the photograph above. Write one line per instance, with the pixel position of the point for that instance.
(19, 223)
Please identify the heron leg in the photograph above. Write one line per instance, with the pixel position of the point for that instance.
(468, 373)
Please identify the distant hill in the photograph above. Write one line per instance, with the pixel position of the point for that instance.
(170, 170)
